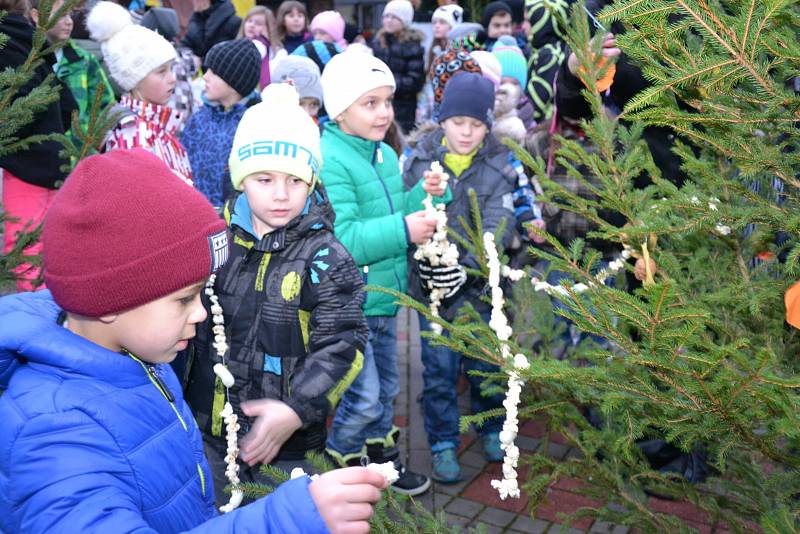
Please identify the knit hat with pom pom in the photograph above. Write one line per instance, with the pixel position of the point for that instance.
(131, 52)
(276, 135)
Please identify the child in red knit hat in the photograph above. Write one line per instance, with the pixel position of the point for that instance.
(96, 434)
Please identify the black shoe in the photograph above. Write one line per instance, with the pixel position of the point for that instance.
(410, 483)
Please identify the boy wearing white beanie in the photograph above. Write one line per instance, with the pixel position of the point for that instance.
(377, 221)
(290, 294)
(141, 62)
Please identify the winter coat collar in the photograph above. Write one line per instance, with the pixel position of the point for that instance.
(317, 215)
(364, 147)
(164, 116)
(492, 152)
(30, 332)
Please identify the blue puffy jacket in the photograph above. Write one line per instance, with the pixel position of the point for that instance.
(89, 443)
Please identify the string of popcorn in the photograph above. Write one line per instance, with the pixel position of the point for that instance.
(228, 416)
(508, 486)
(387, 469)
(438, 250)
(599, 279)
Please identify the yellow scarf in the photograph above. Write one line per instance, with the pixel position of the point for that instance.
(458, 163)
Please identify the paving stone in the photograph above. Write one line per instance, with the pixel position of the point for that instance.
(557, 450)
(563, 502)
(524, 523)
(559, 529)
(457, 520)
(605, 527)
(453, 489)
(527, 443)
(472, 459)
(499, 518)
(463, 507)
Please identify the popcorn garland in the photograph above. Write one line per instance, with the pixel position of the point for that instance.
(508, 486)
(229, 417)
(438, 250)
(387, 469)
(599, 279)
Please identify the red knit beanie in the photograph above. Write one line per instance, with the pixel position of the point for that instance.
(123, 231)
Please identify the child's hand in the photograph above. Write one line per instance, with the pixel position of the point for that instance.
(536, 238)
(420, 227)
(275, 422)
(640, 269)
(608, 51)
(433, 183)
(344, 498)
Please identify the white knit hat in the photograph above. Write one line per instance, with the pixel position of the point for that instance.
(348, 76)
(402, 9)
(452, 14)
(276, 135)
(131, 52)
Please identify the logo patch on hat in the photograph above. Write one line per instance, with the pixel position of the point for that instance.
(218, 246)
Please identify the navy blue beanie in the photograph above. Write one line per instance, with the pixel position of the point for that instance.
(468, 94)
(492, 9)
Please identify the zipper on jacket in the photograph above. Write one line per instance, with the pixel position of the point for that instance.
(378, 155)
(150, 370)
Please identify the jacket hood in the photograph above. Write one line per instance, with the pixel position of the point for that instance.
(318, 215)
(30, 332)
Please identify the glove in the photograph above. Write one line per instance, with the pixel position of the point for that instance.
(450, 277)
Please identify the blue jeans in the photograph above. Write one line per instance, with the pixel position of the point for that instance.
(442, 368)
(366, 410)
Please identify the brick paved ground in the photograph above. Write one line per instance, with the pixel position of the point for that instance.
(472, 501)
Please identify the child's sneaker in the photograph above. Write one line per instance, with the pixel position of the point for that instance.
(491, 447)
(445, 466)
(410, 483)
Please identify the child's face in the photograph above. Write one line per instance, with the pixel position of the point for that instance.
(62, 29)
(295, 21)
(464, 134)
(499, 25)
(158, 86)
(275, 199)
(156, 331)
(322, 35)
(369, 116)
(218, 90)
(440, 29)
(391, 24)
(255, 26)
(310, 105)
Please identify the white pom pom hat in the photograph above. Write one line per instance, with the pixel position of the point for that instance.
(276, 135)
(348, 76)
(131, 52)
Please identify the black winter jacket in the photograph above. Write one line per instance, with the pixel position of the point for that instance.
(206, 28)
(292, 308)
(493, 179)
(405, 58)
(39, 164)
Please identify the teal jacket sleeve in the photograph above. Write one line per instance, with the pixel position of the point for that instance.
(415, 196)
(368, 240)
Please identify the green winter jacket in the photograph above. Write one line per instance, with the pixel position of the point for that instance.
(365, 187)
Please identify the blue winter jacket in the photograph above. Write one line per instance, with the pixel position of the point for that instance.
(90, 443)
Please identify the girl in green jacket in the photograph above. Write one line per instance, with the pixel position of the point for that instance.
(376, 221)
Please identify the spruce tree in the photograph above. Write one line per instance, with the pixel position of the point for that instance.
(18, 111)
(700, 355)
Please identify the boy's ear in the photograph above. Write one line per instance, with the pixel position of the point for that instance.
(33, 13)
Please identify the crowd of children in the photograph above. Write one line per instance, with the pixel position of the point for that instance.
(296, 174)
